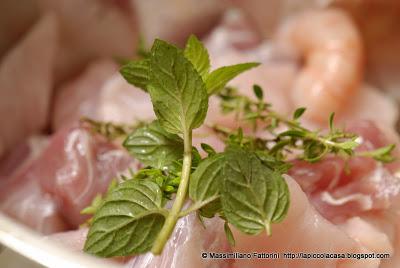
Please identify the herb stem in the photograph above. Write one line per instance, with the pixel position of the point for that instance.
(196, 206)
(173, 215)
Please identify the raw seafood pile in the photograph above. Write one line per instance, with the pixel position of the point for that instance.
(349, 207)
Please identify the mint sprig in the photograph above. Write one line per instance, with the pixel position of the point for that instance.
(177, 82)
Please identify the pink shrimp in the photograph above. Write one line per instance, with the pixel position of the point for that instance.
(332, 48)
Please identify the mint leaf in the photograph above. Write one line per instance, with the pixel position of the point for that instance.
(218, 78)
(252, 195)
(272, 162)
(128, 221)
(197, 54)
(136, 73)
(177, 91)
(205, 184)
(153, 146)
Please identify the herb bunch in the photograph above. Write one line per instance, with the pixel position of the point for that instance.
(287, 135)
(242, 185)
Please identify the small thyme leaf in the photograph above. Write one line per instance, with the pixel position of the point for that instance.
(167, 181)
(218, 78)
(331, 118)
(98, 201)
(208, 149)
(94, 206)
(348, 145)
(293, 133)
(258, 92)
(298, 113)
(109, 130)
(196, 157)
(382, 154)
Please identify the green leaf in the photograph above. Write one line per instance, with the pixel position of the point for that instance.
(331, 118)
(177, 91)
(137, 73)
(218, 78)
(196, 157)
(293, 133)
(209, 209)
(167, 181)
(314, 151)
(351, 144)
(128, 221)
(142, 50)
(229, 234)
(197, 54)
(252, 195)
(208, 149)
(258, 92)
(94, 206)
(298, 113)
(153, 146)
(382, 154)
(205, 184)
(272, 162)
(98, 200)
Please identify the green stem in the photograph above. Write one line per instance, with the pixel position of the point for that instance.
(197, 206)
(173, 215)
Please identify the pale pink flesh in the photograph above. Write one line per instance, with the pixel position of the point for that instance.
(49, 193)
(25, 86)
(100, 93)
(89, 30)
(84, 166)
(186, 244)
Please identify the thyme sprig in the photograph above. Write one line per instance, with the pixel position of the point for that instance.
(288, 135)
